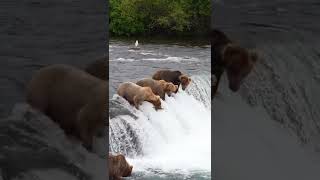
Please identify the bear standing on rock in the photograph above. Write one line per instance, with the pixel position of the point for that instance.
(176, 77)
(227, 55)
(136, 94)
(74, 99)
(118, 167)
(160, 87)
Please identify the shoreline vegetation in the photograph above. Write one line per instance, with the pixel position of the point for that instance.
(141, 18)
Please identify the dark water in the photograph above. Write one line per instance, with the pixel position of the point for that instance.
(131, 65)
(34, 34)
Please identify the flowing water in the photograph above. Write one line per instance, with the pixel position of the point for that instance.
(270, 129)
(172, 143)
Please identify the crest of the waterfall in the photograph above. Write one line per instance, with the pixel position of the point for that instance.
(178, 137)
(200, 88)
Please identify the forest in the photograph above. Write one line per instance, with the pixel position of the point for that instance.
(159, 17)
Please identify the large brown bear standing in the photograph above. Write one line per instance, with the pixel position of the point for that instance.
(71, 97)
(136, 94)
(118, 167)
(160, 87)
(176, 77)
(226, 55)
(99, 68)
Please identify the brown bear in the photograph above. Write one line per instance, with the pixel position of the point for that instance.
(118, 167)
(176, 77)
(136, 94)
(99, 68)
(74, 99)
(229, 56)
(160, 87)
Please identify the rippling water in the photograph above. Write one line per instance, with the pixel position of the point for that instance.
(130, 65)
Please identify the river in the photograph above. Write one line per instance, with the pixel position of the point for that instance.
(173, 143)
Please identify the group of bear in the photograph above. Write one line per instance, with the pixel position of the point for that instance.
(152, 90)
(76, 100)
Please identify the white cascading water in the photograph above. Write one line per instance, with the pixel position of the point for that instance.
(174, 139)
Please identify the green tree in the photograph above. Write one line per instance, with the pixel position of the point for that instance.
(134, 17)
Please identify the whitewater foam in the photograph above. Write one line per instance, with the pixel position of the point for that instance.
(174, 139)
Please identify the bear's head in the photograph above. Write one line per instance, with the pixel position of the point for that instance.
(185, 81)
(157, 102)
(168, 87)
(238, 63)
(120, 165)
(152, 98)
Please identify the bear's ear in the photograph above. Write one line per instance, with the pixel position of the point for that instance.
(167, 86)
(183, 77)
(254, 56)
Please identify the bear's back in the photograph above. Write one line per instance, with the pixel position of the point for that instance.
(155, 86)
(128, 90)
(168, 75)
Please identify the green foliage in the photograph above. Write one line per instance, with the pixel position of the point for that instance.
(154, 17)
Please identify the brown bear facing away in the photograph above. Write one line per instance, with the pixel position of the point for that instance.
(118, 167)
(136, 94)
(176, 77)
(71, 97)
(230, 57)
(99, 68)
(159, 87)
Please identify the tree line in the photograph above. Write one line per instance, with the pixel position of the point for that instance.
(159, 17)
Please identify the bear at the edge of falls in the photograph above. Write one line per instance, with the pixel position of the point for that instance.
(227, 55)
(158, 87)
(176, 77)
(136, 94)
(74, 99)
